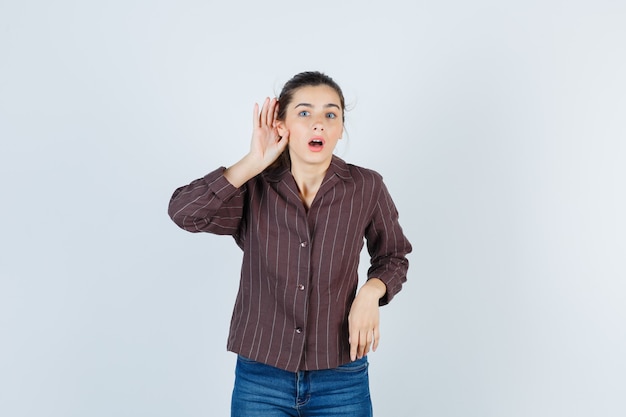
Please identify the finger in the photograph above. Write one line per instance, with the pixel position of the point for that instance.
(263, 117)
(353, 347)
(276, 108)
(376, 339)
(369, 341)
(362, 344)
(270, 112)
(255, 116)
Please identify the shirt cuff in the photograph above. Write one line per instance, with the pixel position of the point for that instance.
(219, 185)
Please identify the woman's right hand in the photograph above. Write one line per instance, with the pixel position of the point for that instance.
(267, 144)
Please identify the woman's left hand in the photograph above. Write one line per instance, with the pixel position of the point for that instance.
(363, 320)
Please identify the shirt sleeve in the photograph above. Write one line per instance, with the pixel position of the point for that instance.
(209, 204)
(387, 246)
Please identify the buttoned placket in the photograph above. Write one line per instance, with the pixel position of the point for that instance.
(304, 277)
(304, 229)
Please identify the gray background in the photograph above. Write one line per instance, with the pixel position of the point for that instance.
(498, 127)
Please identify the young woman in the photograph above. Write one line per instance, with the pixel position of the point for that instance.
(300, 215)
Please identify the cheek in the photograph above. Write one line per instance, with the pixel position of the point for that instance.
(297, 126)
(338, 131)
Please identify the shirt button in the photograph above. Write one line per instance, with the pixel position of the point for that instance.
(304, 244)
(298, 330)
(301, 287)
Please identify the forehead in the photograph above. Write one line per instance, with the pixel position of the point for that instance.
(316, 95)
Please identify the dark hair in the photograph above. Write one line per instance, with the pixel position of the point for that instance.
(306, 79)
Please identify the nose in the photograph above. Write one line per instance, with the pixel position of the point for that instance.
(318, 124)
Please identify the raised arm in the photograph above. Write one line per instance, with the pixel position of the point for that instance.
(215, 202)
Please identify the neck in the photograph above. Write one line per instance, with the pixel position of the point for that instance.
(308, 179)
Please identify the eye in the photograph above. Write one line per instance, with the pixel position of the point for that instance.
(331, 115)
(303, 113)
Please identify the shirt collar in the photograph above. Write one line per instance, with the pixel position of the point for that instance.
(337, 167)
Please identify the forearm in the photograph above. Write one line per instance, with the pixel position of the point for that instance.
(242, 171)
(388, 247)
(200, 206)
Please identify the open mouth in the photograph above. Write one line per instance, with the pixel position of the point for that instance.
(316, 144)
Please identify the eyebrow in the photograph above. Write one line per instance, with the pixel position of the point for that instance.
(310, 105)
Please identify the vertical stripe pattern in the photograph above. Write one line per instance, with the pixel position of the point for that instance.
(299, 272)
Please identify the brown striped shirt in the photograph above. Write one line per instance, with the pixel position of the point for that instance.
(299, 272)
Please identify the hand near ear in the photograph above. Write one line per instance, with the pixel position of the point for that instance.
(267, 144)
(265, 147)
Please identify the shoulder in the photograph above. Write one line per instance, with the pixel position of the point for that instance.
(360, 175)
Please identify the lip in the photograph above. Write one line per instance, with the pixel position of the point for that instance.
(316, 148)
(321, 139)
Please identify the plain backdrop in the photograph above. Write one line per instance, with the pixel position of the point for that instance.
(499, 128)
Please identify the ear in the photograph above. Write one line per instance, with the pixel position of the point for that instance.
(280, 127)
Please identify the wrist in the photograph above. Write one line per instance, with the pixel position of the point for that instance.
(374, 288)
(242, 171)
(252, 165)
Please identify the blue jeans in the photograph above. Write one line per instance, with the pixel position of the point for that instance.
(264, 391)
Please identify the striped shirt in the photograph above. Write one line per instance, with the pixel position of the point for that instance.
(299, 273)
